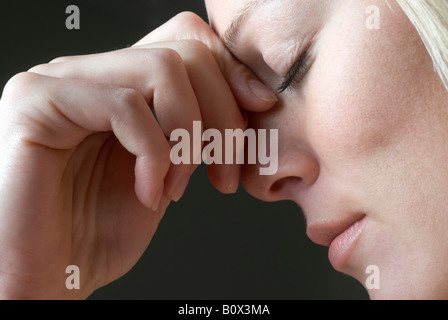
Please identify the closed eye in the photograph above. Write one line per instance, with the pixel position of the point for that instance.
(296, 73)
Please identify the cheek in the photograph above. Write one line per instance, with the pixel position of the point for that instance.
(365, 85)
(354, 118)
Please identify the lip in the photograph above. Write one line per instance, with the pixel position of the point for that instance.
(340, 236)
(343, 244)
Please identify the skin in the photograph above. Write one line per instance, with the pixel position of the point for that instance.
(363, 133)
(85, 170)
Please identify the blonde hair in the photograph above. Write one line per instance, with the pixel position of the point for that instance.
(430, 17)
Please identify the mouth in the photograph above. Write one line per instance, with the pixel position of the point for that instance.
(340, 236)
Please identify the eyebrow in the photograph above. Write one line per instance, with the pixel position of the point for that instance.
(230, 36)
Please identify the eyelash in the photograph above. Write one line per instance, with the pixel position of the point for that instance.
(296, 74)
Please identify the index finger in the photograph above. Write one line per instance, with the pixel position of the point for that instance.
(249, 92)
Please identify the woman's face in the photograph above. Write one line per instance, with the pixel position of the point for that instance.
(362, 133)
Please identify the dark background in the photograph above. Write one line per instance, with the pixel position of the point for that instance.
(209, 245)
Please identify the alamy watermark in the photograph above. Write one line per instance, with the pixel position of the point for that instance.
(373, 280)
(234, 143)
(73, 21)
(73, 280)
(373, 21)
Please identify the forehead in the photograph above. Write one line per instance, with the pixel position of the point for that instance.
(268, 26)
(223, 12)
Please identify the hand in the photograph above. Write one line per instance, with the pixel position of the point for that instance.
(85, 170)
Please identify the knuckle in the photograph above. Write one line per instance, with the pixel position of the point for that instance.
(15, 102)
(61, 59)
(168, 57)
(128, 97)
(196, 51)
(40, 68)
(190, 19)
(200, 52)
(167, 62)
(197, 46)
(20, 84)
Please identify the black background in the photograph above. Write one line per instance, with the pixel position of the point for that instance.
(209, 245)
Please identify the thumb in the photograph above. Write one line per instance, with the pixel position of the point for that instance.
(249, 92)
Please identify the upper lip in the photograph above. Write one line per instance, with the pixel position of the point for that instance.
(323, 233)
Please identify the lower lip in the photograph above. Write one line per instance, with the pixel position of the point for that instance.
(343, 245)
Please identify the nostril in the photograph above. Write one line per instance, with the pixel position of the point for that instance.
(281, 185)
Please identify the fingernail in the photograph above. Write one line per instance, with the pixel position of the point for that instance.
(261, 91)
(232, 180)
(180, 188)
(232, 188)
(157, 199)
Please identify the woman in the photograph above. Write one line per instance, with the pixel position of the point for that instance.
(361, 116)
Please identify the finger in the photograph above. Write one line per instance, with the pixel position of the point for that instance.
(250, 93)
(184, 84)
(61, 113)
(160, 75)
(65, 59)
(219, 110)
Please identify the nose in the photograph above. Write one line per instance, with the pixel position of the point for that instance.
(298, 169)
